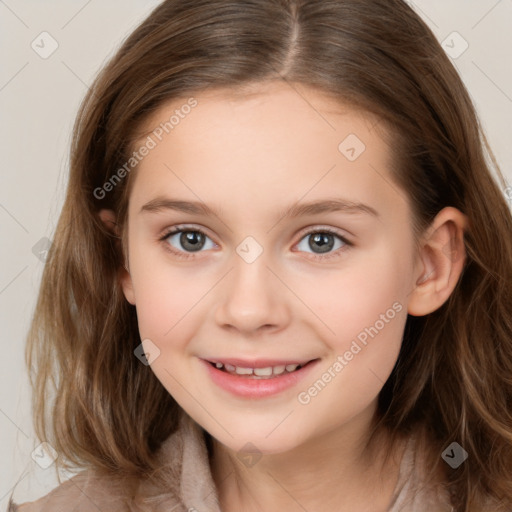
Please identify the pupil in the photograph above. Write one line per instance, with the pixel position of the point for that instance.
(192, 240)
(323, 240)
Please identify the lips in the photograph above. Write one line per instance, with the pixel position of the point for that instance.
(256, 382)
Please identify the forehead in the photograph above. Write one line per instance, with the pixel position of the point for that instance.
(277, 139)
(260, 101)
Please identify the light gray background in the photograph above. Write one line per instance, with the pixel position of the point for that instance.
(39, 99)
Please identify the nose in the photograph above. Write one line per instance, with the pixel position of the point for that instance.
(253, 299)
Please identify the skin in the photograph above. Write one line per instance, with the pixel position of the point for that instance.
(252, 157)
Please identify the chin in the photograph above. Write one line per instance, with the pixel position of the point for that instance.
(255, 438)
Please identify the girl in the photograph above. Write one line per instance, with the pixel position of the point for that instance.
(281, 279)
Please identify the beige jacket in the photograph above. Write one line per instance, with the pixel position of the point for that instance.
(192, 489)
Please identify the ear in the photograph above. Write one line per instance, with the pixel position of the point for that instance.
(108, 218)
(440, 262)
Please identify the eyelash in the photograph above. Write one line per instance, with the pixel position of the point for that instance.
(185, 255)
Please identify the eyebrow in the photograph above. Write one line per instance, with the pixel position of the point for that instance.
(159, 204)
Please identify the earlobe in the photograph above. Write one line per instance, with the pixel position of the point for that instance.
(441, 261)
(108, 218)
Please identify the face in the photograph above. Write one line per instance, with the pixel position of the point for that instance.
(260, 277)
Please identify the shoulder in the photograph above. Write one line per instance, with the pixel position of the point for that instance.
(84, 492)
(88, 491)
(416, 491)
(181, 482)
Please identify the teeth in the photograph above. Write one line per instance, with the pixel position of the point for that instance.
(258, 372)
(262, 372)
(243, 371)
(279, 369)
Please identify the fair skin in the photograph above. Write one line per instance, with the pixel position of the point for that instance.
(250, 158)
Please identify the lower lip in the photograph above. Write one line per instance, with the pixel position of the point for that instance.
(257, 388)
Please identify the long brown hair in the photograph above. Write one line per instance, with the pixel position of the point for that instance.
(93, 399)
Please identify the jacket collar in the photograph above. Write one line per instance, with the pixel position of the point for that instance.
(196, 487)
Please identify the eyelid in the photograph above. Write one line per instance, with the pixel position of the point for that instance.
(184, 227)
(318, 228)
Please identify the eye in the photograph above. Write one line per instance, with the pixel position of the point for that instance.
(181, 241)
(323, 241)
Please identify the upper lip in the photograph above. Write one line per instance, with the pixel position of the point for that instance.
(257, 363)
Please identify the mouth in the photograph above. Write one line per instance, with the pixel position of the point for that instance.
(259, 370)
(260, 379)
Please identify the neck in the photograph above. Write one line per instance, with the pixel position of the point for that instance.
(330, 472)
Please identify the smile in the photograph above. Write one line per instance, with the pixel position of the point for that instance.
(258, 381)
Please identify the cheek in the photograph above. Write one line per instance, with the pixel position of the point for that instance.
(363, 311)
(349, 300)
(166, 300)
